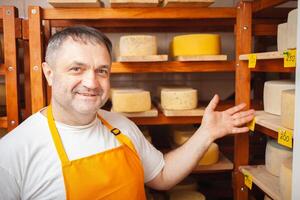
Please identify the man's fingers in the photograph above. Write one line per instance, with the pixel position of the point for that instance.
(236, 109)
(240, 130)
(243, 114)
(243, 120)
(213, 103)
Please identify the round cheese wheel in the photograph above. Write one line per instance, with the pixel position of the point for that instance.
(275, 155)
(285, 179)
(196, 44)
(211, 156)
(182, 133)
(138, 45)
(272, 95)
(288, 108)
(179, 98)
(186, 195)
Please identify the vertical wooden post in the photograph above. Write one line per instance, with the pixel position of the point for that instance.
(10, 63)
(38, 99)
(242, 88)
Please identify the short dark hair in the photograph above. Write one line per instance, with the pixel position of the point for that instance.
(82, 34)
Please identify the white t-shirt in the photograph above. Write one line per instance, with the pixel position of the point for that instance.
(31, 169)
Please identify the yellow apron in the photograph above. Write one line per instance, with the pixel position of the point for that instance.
(113, 174)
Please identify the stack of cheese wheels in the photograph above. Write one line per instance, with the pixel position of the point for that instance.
(285, 179)
(146, 133)
(196, 44)
(275, 155)
(292, 29)
(131, 100)
(288, 108)
(282, 37)
(138, 45)
(186, 195)
(182, 134)
(272, 95)
(178, 98)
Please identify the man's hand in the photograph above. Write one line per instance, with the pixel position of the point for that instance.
(230, 121)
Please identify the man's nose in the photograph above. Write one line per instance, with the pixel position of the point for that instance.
(90, 80)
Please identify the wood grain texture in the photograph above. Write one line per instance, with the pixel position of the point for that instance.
(201, 58)
(133, 3)
(187, 3)
(74, 3)
(260, 5)
(264, 55)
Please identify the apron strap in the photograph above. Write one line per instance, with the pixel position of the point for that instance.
(123, 139)
(56, 138)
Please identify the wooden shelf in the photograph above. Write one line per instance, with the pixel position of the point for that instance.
(1, 13)
(268, 123)
(2, 69)
(263, 179)
(138, 13)
(173, 66)
(224, 164)
(269, 62)
(3, 122)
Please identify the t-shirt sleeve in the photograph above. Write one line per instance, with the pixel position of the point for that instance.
(9, 188)
(152, 159)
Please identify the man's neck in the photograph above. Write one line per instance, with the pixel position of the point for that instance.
(72, 119)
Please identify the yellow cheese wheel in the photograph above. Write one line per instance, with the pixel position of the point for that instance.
(211, 156)
(288, 108)
(182, 133)
(186, 195)
(275, 155)
(179, 98)
(285, 179)
(196, 44)
(138, 45)
(131, 101)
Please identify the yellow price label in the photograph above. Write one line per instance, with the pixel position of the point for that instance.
(248, 180)
(289, 58)
(252, 60)
(285, 137)
(251, 125)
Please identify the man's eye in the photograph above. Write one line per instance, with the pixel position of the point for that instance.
(75, 69)
(102, 71)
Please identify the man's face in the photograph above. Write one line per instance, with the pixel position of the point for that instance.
(80, 77)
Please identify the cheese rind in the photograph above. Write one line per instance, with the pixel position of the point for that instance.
(292, 29)
(138, 45)
(282, 37)
(285, 179)
(275, 155)
(288, 108)
(182, 134)
(186, 195)
(131, 101)
(179, 98)
(272, 95)
(211, 156)
(196, 44)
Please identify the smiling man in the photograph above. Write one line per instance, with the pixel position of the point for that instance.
(72, 149)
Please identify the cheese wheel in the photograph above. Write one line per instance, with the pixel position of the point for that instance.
(292, 29)
(188, 184)
(272, 95)
(131, 101)
(182, 133)
(179, 98)
(285, 179)
(196, 44)
(138, 45)
(112, 90)
(186, 195)
(275, 155)
(282, 37)
(2, 95)
(288, 108)
(211, 156)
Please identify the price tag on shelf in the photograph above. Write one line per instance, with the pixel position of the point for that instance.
(252, 60)
(289, 58)
(247, 179)
(251, 125)
(285, 137)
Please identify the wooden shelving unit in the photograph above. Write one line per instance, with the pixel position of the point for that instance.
(11, 27)
(224, 164)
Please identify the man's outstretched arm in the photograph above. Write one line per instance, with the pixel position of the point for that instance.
(181, 161)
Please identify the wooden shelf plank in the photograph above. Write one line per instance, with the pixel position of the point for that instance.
(173, 66)
(264, 55)
(138, 13)
(224, 164)
(150, 58)
(201, 58)
(182, 113)
(269, 123)
(263, 179)
(3, 122)
(260, 5)
(187, 3)
(150, 113)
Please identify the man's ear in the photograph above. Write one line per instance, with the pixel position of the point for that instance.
(48, 72)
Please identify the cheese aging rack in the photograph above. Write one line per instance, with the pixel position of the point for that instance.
(239, 19)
